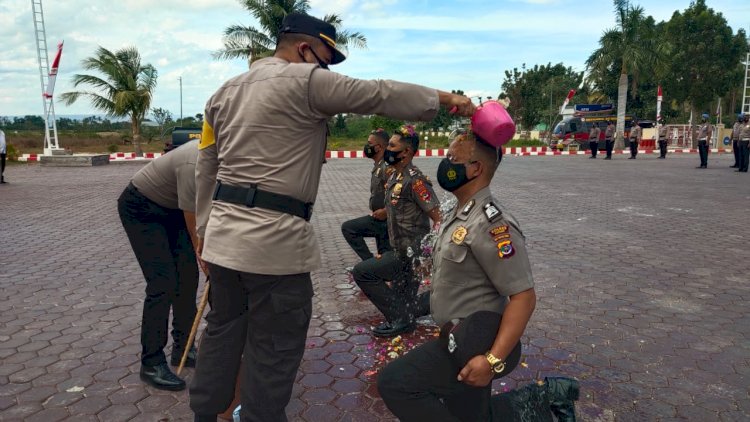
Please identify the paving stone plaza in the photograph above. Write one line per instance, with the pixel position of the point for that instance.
(642, 271)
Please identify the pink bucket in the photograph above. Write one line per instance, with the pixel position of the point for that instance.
(493, 124)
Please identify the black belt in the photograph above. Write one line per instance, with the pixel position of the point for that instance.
(253, 197)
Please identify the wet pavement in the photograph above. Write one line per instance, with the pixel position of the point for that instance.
(642, 270)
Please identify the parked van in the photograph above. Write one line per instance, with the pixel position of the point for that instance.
(182, 135)
(576, 129)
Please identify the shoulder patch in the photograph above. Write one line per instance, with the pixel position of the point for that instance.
(468, 207)
(499, 230)
(207, 136)
(505, 249)
(492, 212)
(421, 190)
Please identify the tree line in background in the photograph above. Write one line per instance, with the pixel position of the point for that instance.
(695, 57)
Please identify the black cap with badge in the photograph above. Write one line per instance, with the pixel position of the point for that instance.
(301, 23)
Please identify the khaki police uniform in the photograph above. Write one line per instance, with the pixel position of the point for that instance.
(409, 198)
(662, 134)
(261, 155)
(3, 147)
(704, 131)
(636, 134)
(736, 129)
(744, 145)
(356, 230)
(594, 140)
(609, 140)
(480, 260)
(151, 210)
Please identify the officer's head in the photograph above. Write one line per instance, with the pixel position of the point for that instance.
(470, 163)
(740, 117)
(377, 142)
(704, 117)
(303, 38)
(402, 146)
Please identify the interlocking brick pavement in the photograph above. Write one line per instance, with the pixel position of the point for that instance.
(642, 271)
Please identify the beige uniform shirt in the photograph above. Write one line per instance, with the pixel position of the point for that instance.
(480, 259)
(267, 126)
(594, 134)
(662, 132)
(703, 131)
(636, 133)
(736, 130)
(409, 198)
(745, 132)
(170, 179)
(610, 132)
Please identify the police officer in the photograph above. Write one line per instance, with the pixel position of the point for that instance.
(662, 136)
(736, 129)
(157, 211)
(744, 144)
(480, 264)
(411, 204)
(3, 147)
(594, 139)
(261, 155)
(704, 132)
(609, 134)
(373, 225)
(636, 133)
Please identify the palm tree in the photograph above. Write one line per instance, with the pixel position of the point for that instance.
(125, 89)
(255, 43)
(632, 46)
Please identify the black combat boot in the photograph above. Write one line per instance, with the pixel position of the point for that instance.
(563, 392)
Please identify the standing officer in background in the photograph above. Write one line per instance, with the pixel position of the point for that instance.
(3, 147)
(744, 144)
(704, 132)
(609, 134)
(373, 225)
(736, 129)
(636, 133)
(594, 139)
(157, 211)
(662, 136)
(261, 155)
(480, 263)
(411, 204)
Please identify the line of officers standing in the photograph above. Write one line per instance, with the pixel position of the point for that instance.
(740, 139)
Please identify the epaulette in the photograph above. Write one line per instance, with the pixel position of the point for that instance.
(492, 212)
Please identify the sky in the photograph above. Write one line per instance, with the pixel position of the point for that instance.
(457, 44)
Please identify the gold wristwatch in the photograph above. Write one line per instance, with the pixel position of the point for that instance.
(496, 364)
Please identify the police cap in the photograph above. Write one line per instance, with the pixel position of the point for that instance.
(301, 23)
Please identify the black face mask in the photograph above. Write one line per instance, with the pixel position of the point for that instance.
(321, 63)
(391, 157)
(451, 176)
(369, 151)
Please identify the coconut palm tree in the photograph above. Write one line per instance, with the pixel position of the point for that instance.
(255, 43)
(633, 47)
(125, 89)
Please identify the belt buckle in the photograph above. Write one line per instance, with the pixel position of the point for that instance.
(308, 211)
(250, 198)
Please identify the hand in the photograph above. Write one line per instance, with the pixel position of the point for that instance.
(477, 372)
(463, 105)
(198, 255)
(380, 215)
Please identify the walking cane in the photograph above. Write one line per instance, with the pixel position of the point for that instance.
(196, 322)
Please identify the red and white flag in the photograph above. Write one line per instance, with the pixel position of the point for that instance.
(53, 72)
(658, 103)
(571, 93)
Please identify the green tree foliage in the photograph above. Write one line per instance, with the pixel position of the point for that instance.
(253, 43)
(705, 56)
(125, 88)
(537, 92)
(390, 125)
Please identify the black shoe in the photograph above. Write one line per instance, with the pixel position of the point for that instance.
(191, 357)
(563, 393)
(733, 166)
(608, 158)
(161, 377)
(205, 418)
(394, 329)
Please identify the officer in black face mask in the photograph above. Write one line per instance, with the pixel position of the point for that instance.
(410, 203)
(356, 230)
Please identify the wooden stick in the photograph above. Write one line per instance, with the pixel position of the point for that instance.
(196, 322)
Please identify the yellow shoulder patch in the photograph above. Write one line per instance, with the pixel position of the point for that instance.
(207, 136)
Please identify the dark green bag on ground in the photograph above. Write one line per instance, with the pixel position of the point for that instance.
(537, 403)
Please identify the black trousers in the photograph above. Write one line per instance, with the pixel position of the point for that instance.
(161, 243)
(633, 148)
(744, 155)
(609, 145)
(703, 152)
(594, 146)
(662, 148)
(736, 152)
(397, 302)
(261, 321)
(2, 165)
(356, 230)
(422, 386)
